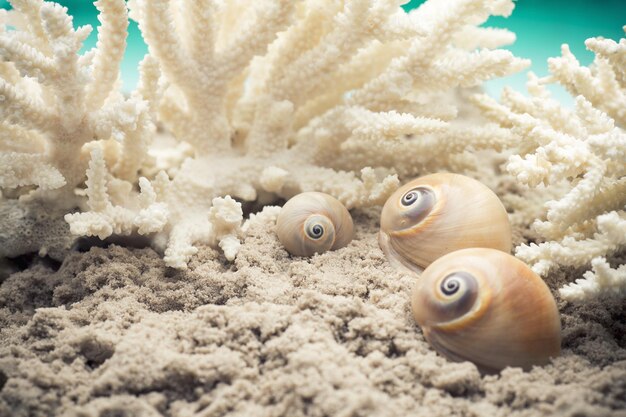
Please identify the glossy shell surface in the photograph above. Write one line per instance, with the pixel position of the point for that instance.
(487, 307)
(438, 214)
(314, 222)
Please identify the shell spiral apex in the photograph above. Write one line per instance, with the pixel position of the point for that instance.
(438, 214)
(312, 223)
(488, 307)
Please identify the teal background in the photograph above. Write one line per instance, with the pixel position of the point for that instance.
(541, 27)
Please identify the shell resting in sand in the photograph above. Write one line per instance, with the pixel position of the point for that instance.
(488, 307)
(312, 223)
(438, 214)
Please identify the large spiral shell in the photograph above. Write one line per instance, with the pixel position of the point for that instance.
(488, 307)
(312, 223)
(438, 214)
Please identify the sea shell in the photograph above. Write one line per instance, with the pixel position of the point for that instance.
(488, 307)
(438, 214)
(314, 222)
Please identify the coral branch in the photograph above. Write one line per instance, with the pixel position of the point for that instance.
(199, 16)
(254, 36)
(109, 51)
(602, 83)
(31, 10)
(27, 59)
(579, 156)
(258, 100)
(602, 282)
(570, 251)
(53, 102)
(16, 107)
(19, 169)
(159, 32)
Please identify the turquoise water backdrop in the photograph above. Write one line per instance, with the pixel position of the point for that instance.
(541, 27)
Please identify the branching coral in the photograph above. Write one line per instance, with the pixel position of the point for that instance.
(155, 210)
(54, 101)
(603, 83)
(57, 105)
(272, 98)
(296, 96)
(257, 107)
(579, 151)
(603, 281)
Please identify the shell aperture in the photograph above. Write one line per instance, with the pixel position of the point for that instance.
(314, 222)
(488, 307)
(438, 214)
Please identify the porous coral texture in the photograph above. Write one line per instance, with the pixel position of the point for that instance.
(574, 158)
(159, 210)
(260, 100)
(60, 106)
(116, 332)
(278, 97)
(55, 102)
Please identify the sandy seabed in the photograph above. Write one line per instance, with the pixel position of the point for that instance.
(114, 332)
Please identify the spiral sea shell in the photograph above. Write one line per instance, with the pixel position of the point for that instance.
(438, 214)
(488, 307)
(314, 222)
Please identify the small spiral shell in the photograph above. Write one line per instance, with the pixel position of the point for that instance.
(314, 222)
(488, 307)
(438, 214)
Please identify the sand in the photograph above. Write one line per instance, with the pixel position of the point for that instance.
(114, 332)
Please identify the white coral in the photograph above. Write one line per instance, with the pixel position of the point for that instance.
(577, 154)
(114, 209)
(604, 281)
(249, 93)
(603, 83)
(263, 99)
(296, 96)
(102, 218)
(54, 101)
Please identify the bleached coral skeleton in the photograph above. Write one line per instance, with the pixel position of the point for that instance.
(272, 98)
(157, 209)
(581, 151)
(54, 101)
(603, 281)
(292, 96)
(57, 104)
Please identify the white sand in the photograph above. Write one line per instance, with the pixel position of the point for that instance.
(114, 332)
